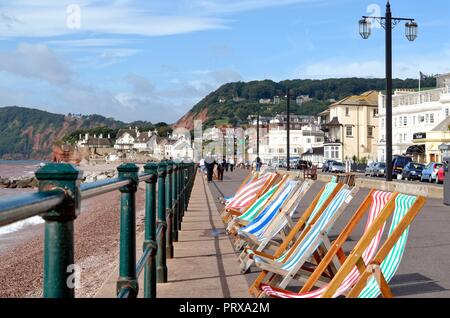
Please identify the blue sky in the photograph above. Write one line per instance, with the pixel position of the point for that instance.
(153, 60)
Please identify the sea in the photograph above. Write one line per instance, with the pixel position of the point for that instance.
(12, 169)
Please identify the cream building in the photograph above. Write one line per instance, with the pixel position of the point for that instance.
(416, 117)
(351, 128)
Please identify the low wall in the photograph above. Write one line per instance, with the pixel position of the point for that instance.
(424, 189)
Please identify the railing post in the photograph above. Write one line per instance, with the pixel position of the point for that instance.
(150, 230)
(180, 194)
(59, 225)
(186, 187)
(169, 209)
(161, 268)
(183, 189)
(127, 266)
(175, 203)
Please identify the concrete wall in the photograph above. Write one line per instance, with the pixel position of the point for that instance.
(424, 189)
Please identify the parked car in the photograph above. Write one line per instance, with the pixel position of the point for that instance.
(412, 171)
(369, 169)
(430, 172)
(336, 167)
(326, 165)
(440, 175)
(379, 170)
(398, 163)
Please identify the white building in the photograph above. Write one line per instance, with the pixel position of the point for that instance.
(126, 138)
(301, 141)
(413, 115)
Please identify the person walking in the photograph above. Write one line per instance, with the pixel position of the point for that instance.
(231, 164)
(258, 164)
(221, 168)
(202, 165)
(210, 162)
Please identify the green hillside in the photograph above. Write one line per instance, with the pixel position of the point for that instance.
(239, 99)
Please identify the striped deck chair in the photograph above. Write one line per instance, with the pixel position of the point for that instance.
(290, 264)
(355, 278)
(258, 206)
(269, 213)
(311, 214)
(250, 177)
(248, 194)
(259, 238)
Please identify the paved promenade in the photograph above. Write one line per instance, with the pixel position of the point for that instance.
(205, 264)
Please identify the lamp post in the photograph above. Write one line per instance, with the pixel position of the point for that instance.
(388, 23)
(288, 130)
(257, 134)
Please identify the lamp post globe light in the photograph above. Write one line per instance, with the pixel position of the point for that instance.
(411, 30)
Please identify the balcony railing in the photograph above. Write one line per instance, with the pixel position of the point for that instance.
(58, 201)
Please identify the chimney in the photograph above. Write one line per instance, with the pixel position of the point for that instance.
(95, 136)
(109, 136)
(86, 136)
(81, 137)
(101, 136)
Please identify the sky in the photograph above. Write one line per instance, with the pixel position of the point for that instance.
(155, 59)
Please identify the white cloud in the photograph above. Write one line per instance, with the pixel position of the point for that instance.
(36, 61)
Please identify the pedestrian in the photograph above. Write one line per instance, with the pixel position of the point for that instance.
(227, 164)
(210, 162)
(202, 165)
(231, 164)
(220, 169)
(258, 164)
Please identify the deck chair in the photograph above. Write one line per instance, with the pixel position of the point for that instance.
(249, 194)
(290, 264)
(270, 212)
(250, 177)
(311, 214)
(259, 205)
(367, 271)
(257, 236)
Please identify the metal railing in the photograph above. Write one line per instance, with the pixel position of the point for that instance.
(58, 201)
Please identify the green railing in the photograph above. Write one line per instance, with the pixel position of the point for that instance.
(58, 202)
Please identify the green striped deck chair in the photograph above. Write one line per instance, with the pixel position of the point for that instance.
(255, 209)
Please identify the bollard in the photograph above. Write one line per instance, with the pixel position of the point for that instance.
(161, 268)
(174, 203)
(59, 226)
(169, 210)
(150, 230)
(127, 266)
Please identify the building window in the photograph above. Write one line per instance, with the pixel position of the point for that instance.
(431, 118)
(347, 111)
(382, 123)
(427, 118)
(447, 112)
(349, 131)
(370, 132)
(308, 141)
(335, 152)
(405, 121)
(280, 150)
(421, 119)
(375, 112)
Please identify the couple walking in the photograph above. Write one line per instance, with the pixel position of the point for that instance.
(207, 165)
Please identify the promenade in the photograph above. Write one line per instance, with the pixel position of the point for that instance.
(205, 264)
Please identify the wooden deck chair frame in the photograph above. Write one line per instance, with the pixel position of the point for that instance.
(295, 233)
(229, 212)
(286, 207)
(238, 223)
(251, 175)
(284, 216)
(283, 277)
(355, 257)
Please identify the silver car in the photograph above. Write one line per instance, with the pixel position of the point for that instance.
(337, 167)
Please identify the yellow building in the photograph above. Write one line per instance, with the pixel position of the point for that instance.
(431, 141)
(351, 127)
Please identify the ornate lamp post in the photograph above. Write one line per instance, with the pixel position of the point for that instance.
(388, 23)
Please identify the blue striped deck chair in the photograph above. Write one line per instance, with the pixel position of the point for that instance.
(271, 210)
(290, 264)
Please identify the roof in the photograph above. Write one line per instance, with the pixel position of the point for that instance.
(369, 98)
(131, 132)
(144, 137)
(443, 125)
(333, 122)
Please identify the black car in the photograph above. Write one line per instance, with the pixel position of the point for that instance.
(413, 171)
(399, 163)
(327, 164)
